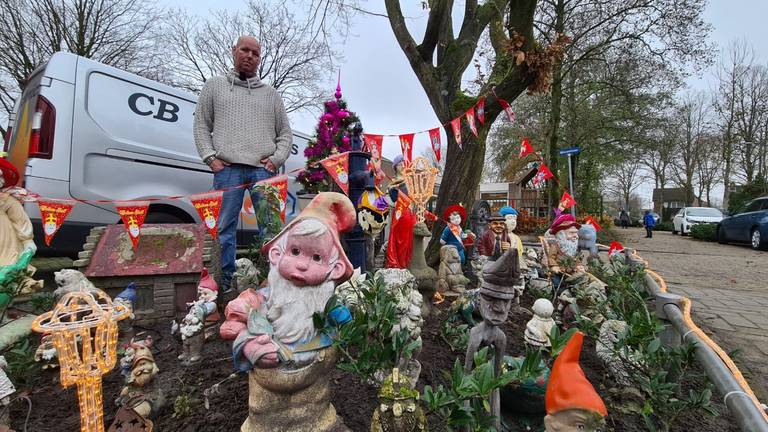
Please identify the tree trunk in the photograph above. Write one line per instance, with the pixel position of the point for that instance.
(726, 173)
(556, 103)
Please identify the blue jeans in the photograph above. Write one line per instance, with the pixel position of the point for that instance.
(229, 215)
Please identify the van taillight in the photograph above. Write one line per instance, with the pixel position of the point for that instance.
(43, 126)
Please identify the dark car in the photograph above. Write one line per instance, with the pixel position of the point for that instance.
(749, 225)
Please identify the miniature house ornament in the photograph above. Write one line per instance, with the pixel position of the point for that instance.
(289, 361)
(571, 401)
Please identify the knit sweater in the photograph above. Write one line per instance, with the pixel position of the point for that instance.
(241, 122)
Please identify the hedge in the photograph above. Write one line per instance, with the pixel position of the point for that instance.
(706, 232)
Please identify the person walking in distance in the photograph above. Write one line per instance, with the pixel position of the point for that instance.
(242, 133)
(624, 218)
(649, 222)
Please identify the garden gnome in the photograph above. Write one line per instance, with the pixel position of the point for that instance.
(142, 392)
(398, 183)
(127, 297)
(398, 409)
(588, 239)
(453, 234)
(572, 403)
(563, 250)
(246, 274)
(289, 360)
(372, 211)
(16, 238)
(450, 278)
(494, 240)
(202, 310)
(6, 390)
(400, 243)
(538, 328)
(496, 295)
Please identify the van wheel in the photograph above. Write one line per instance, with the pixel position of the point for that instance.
(163, 218)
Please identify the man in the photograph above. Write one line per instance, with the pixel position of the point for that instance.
(649, 223)
(243, 134)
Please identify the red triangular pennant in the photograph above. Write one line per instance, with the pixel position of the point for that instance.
(338, 168)
(614, 248)
(542, 175)
(208, 205)
(507, 109)
(480, 107)
(471, 120)
(434, 138)
(373, 145)
(525, 147)
(567, 201)
(52, 213)
(591, 221)
(133, 213)
(456, 128)
(281, 184)
(406, 146)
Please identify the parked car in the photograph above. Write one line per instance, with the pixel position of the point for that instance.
(87, 131)
(687, 217)
(750, 225)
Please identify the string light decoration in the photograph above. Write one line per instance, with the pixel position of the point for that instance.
(420, 177)
(84, 329)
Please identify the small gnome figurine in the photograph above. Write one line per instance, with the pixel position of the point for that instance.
(496, 295)
(192, 327)
(571, 401)
(127, 298)
(142, 392)
(6, 390)
(538, 328)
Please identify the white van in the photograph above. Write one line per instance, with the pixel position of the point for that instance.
(87, 131)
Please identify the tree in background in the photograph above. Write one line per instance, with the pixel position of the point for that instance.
(694, 124)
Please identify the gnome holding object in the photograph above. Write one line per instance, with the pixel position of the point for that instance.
(563, 256)
(450, 279)
(538, 328)
(496, 295)
(142, 393)
(494, 240)
(202, 310)
(289, 360)
(453, 234)
(571, 401)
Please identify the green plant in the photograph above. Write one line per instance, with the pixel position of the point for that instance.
(267, 212)
(184, 404)
(368, 342)
(664, 226)
(746, 193)
(42, 302)
(558, 340)
(455, 334)
(22, 367)
(706, 232)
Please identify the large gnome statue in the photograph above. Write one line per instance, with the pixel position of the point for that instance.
(562, 253)
(289, 360)
(200, 312)
(496, 295)
(571, 401)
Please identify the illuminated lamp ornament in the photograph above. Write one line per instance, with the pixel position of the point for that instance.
(83, 325)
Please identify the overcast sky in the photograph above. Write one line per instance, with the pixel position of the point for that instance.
(380, 86)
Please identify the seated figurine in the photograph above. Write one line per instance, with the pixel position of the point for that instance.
(571, 401)
(494, 240)
(450, 278)
(142, 392)
(562, 249)
(453, 234)
(538, 328)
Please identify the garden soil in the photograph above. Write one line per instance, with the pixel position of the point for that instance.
(55, 409)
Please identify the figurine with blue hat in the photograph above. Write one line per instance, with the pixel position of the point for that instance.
(127, 298)
(510, 221)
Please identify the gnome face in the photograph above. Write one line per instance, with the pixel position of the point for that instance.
(455, 218)
(206, 294)
(511, 222)
(497, 226)
(572, 234)
(307, 260)
(573, 420)
(494, 310)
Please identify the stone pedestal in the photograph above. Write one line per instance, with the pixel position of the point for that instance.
(426, 277)
(293, 400)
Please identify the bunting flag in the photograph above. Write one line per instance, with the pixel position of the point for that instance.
(480, 107)
(507, 109)
(281, 184)
(591, 221)
(338, 168)
(566, 201)
(471, 120)
(373, 145)
(434, 138)
(614, 248)
(406, 146)
(53, 212)
(456, 128)
(133, 213)
(542, 175)
(208, 205)
(525, 147)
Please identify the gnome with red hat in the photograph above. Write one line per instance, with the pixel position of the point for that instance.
(201, 311)
(274, 326)
(453, 234)
(571, 401)
(563, 250)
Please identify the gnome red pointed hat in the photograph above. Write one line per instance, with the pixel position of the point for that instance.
(9, 172)
(563, 222)
(206, 281)
(336, 212)
(458, 208)
(568, 387)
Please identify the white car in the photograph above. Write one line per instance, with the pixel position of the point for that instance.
(687, 217)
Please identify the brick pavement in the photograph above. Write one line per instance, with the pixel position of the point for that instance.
(728, 286)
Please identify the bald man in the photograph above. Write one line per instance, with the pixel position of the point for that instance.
(242, 133)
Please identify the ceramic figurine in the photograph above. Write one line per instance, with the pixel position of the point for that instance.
(494, 240)
(288, 360)
(143, 393)
(538, 328)
(69, 280)
(563, 248)
(246, 274)
(571, 401)
(450, 279)
(202, 310)
(588, 239)
(127, 297)
(617, 361)
(496, 295)
(6, 390)
(16, 238)
(426, 277)
(398, 409)
(46, 353)
(372, 211)
(398, 183)
(453, 234)
(400, 242)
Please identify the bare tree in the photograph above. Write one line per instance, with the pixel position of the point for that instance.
(751, 99)
(426, 152)
(693, 123)
(623, 179)
(709, 166)
(657, 157)
(294, 59)
(119, 33)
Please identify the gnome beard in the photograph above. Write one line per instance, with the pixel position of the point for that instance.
(569, 247)
(290, 307)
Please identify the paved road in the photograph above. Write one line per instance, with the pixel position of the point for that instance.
(728, 285)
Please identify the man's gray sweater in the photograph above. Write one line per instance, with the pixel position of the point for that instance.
(241, 122)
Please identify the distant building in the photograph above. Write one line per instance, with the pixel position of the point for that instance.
(520, 194)
(668, 201)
